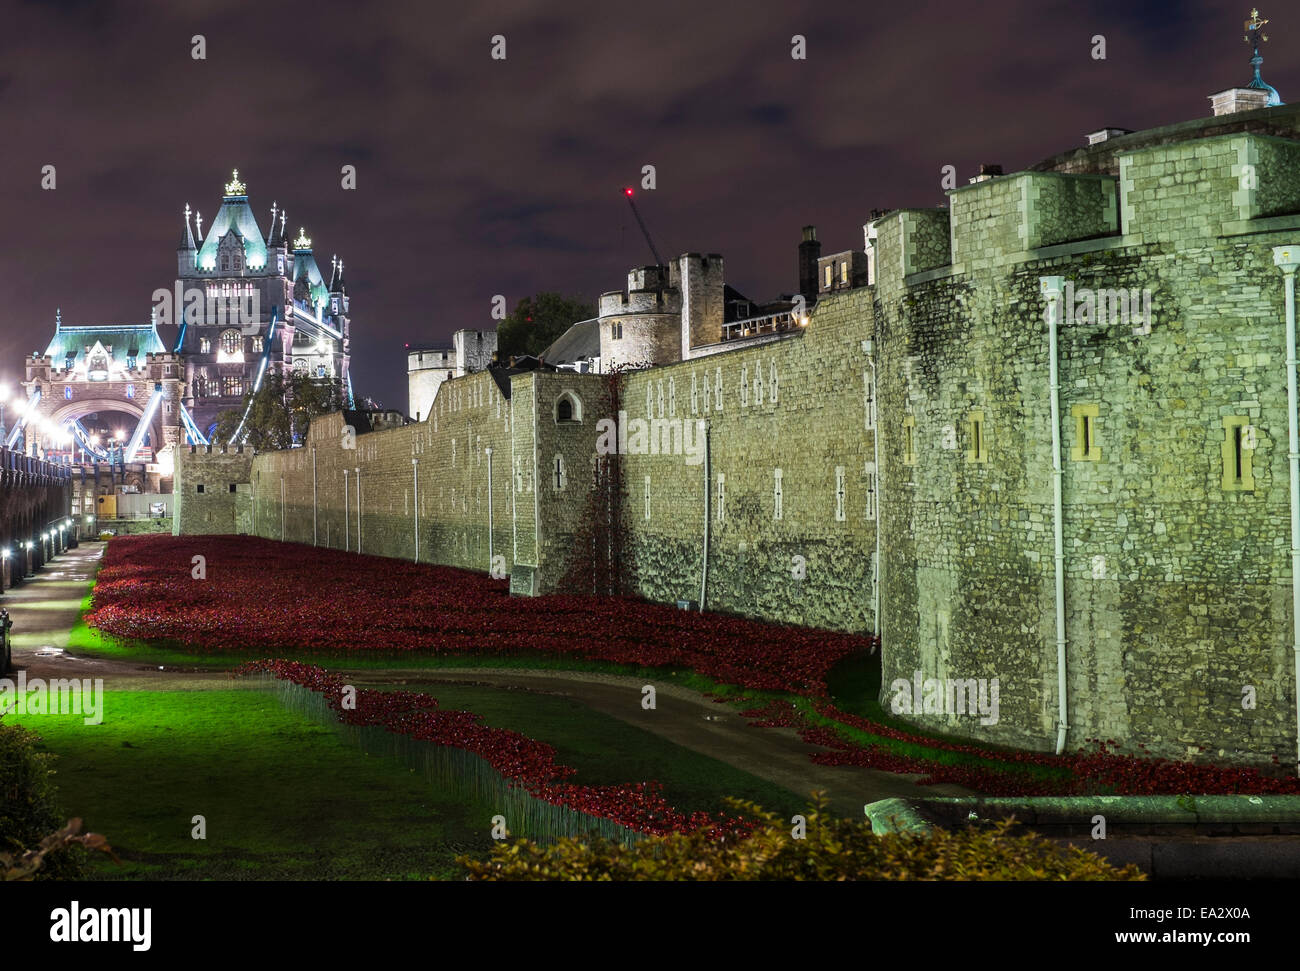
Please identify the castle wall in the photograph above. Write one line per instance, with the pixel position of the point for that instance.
(226, 501)
(1177, 582)
(1175, 482)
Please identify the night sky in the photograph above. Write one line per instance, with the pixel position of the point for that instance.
(477, 177)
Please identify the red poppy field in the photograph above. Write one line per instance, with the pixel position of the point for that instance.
(267, 598)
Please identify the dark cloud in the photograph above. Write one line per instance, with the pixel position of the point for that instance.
(477, 177)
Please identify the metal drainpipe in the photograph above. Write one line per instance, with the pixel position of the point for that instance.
(1051, 288)
(357, 470)
(314, 532)
(488, 450)
(282, 509)
(347, 530)
(708, 476)
(1287, 258)
(415, 475)
(869, 345)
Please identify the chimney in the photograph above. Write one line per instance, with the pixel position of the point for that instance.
(1238, 99)
(1096, 137)
(810, 251)
(987, 171)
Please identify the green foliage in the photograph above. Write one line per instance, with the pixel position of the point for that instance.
(28, 866)
(27, 804)
(281, 411)
(536, 322)
(833, 849)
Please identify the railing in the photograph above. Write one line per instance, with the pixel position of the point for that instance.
(771, 324)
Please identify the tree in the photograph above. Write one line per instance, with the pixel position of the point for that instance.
(280, 412)
(537, 321)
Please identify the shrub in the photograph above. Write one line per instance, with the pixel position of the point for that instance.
(27, 803)
(833, 849)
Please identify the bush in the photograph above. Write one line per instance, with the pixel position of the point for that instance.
(833, 849)
(28, 812)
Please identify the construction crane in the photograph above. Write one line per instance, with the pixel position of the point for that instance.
(640, 222)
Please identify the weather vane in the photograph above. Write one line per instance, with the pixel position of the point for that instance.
(1254, 37)
(1255, 30)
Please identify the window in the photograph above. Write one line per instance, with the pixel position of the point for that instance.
(561, 476)
(199, 487)
(232, 487)
(230, 346)
(1238, 454)
(647, 497)
(717, 390)
(649, 400)
(844, 271)
(870, 470)
(744, 386)
(909, 439)
(839, 494)
(130, 362)
(975, 432)
(829, 275)
(778, 498)
(771, 382)
(568, 409)
(257, 345)
(232, 386)
(722, 496)
(616, 330)
(1085, 447)
(695, 394)
(869, 400)
(661, 397)
(320, 370)
(672, 397)
(758, 385)
(67, 393)
(200, 385)
(130, 391)
(205, 346)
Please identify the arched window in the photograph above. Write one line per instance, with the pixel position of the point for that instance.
(568, 409)
(231, 344)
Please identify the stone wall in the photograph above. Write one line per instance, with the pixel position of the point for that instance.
(1173, 432)
(213, 491)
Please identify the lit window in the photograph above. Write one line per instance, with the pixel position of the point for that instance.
(1085, 447)
(232, 386)
(230, 346)
(205, 345)
(975, 433)
(1238, 454)
(830, 275)
(844, 271)
(130, 390)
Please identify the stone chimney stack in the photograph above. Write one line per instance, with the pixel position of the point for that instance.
(810, 251)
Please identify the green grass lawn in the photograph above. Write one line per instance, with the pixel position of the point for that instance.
(283, 798)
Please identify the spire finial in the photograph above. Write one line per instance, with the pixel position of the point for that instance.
(303, 241)
(198, 221)
(187, 212)
(58, 317)
(1254, 37)
(234, 187)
